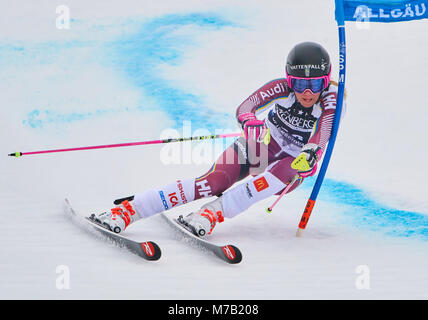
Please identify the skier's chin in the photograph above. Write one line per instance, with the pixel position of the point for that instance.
(307, 102)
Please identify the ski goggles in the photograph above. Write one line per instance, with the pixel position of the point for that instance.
(315, 85)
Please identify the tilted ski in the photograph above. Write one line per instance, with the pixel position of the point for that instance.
(148, 250)
(227, 253)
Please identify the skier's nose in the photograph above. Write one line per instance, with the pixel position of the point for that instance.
(308, 93)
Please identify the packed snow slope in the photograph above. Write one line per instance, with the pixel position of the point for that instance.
(140, 70)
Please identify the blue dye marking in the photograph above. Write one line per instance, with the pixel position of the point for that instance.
(139, 56)
(364, 212)
(37, 119)
(157, 43)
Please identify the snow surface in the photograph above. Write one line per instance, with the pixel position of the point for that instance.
(131, 70)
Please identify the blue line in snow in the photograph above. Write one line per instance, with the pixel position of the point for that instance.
(365, 213)
(161, 40)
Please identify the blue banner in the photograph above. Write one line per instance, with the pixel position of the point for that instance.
(381, 10)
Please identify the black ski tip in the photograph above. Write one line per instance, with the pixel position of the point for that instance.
(151, 250)
(231, 254)
(15, 154)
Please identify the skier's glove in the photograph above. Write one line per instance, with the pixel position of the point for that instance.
(254, 129)
(306, 161)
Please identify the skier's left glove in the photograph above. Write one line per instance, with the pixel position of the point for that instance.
(306, 161)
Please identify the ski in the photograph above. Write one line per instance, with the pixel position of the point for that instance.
(228, 253)
(148, 250)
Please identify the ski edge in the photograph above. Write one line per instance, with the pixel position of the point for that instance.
(228, 253)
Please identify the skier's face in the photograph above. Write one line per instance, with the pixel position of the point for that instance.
(307, 98)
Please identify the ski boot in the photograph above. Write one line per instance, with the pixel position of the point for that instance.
(203, 221)
(118, 218)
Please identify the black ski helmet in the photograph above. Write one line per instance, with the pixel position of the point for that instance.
(308, 60)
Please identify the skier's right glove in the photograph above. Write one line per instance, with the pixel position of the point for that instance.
(254, 129)
(306, 161)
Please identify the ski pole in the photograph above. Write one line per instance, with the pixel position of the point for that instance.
(217, 136)
(295, 178)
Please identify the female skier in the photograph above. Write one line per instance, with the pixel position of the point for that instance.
(288, 142)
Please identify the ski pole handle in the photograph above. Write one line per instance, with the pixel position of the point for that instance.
(217, 136)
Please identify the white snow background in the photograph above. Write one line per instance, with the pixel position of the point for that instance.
(129, 70)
